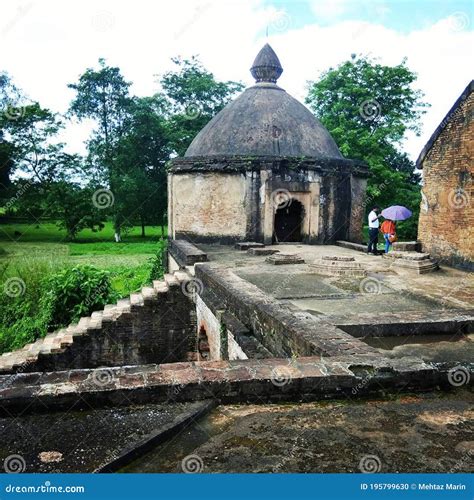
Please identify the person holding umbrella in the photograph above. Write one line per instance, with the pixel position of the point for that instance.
(388, 229)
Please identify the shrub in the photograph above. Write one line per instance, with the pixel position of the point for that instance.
(75, 292)
(158, 263)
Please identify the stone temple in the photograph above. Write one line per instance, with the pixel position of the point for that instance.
(265, 169)
(259, 360)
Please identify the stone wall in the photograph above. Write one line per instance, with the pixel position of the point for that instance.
(446, 223)
(157, 325)
(282, 332)
(223, 200)
(209, 205)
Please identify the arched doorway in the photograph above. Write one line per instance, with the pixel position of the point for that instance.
(287, 223)
(203, 345)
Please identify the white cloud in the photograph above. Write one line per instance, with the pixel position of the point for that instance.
(47, 44)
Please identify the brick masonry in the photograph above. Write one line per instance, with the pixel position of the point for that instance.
(446, 223)
(157, 325)
(226, 381)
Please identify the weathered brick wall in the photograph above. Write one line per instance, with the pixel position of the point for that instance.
(446, 223)
(157, 325)
(223, 200)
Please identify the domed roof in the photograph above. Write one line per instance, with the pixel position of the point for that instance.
(264, 120)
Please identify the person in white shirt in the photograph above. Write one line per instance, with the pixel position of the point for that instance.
(373, 230)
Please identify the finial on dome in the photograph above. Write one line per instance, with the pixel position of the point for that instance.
(266, 67)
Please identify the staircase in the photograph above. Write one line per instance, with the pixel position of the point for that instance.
(109, 336)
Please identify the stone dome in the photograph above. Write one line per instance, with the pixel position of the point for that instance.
(264, 120)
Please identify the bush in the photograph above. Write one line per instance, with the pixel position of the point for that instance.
(75, 292)
(158, 263)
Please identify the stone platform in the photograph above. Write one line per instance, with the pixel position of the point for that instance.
(245, 245)
(279, 259)
(416, 261)
(332, 265)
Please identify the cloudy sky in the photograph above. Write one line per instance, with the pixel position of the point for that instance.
(46, 44)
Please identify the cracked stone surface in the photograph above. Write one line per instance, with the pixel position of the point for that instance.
(409, 433)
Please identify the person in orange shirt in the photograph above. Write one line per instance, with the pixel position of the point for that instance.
(389, 231)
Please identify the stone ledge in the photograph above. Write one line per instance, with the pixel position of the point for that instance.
(352, 246)
(241, 381)
(406, 323)
(247, 245)
(406, 246)
(147, 443)
(185, 253)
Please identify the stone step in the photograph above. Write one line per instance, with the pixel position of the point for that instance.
(124, 305)
(136, 299)
(171, 280)
(182, 276)
(160, 286)
(74, 331)
(148, 293)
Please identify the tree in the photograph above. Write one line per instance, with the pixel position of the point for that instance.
(10, 97)
(103, 96)
(144, 152)
(71, 205)
(34, 150)
(194, 97)
(368, 108)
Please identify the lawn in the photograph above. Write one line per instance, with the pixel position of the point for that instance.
(31, 254)
(127, 262)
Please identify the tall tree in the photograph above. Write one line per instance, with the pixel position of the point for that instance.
(35, 149)
(368, 108)
(145, 150)
(103, 96)
(194, 97)
(10, 98)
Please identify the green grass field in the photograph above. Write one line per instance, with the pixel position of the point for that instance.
(127, 262)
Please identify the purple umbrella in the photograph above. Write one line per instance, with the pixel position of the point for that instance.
(396, 212)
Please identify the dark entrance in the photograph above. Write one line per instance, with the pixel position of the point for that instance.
(203, 345)
(288, 219)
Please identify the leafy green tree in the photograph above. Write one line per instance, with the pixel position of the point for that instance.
(72, 207)
(144, 153)
(103, 96)
(34, 150)
(194, 97)
(368, 108)
(10, 97)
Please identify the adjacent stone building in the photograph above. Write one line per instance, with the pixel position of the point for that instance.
(265, 169)
(446, 224)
